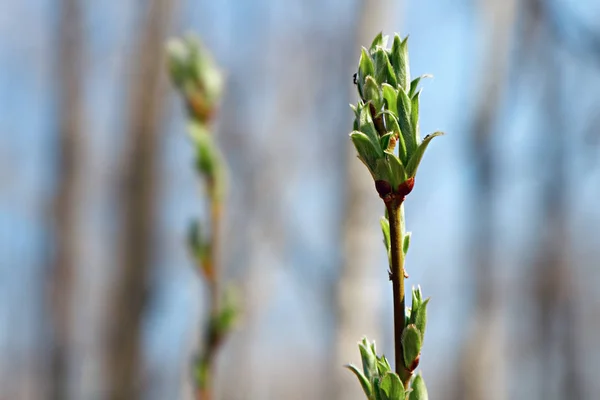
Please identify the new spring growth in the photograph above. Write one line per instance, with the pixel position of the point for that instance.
(195, 74)
(386, 126)
(380, 382)
(387, 138)
(200, 84)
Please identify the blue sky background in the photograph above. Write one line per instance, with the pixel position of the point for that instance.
(283, 128)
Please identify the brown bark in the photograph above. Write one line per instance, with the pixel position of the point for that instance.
(551, 277)
(138, 199)
(68, 192)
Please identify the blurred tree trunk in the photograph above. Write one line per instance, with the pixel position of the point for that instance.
(68, 192)
(482, 356)
(551, 277)
(138, 201)
(359, 290)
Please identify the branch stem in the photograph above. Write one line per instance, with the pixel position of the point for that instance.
(395, 210)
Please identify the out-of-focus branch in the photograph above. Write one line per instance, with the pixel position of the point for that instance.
(200, 83)
(138, 201)
(68, 191)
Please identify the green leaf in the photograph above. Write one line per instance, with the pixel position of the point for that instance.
(176, 61)
(355, 126)
(404, 115)
(385, 229)
(406, 243)
(384, 73)
(397, 169)
(391, 387)
(411, 344)
(382, 170)
(399, 58)
(419, 391)
(229, 312)
(415, 84)
(384, 141)
(365, 68)
(201, 372)
(207, 154)
(367, 127)
(365, 149)
(391, 97)
(372, 93)
(417, 296)
(383, 366)
(379, 41)
(364, 382)
(368, 358)
(419, 316)
(196, 241)
(404, 51)
(414, 116)
(415, 160)
(392, 125)
(365, 64)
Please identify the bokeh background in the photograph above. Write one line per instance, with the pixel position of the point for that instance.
(504, 214)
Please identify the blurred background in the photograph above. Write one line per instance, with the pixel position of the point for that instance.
(504, 213)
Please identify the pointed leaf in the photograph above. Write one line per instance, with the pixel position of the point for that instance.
(406, 243)
(420, 318)
(383, 366)
(384, 73)
(391, 97)
(404, 50)
(414, 116)
(376, 389)
(411, 344)
(404, 105)
(365, 68)
(385, 229)
(364, 382)
(419, 391)
(392, 125)
(365, 149)
(367, 127)
(399, 58)
(415, 84)
(369, 359)
(398, 172)
(379, 41)
(372, 93)
(415, 160)
(391, 387)
(417, 296)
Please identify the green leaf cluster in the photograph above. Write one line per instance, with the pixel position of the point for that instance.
(219, 326)
(208, 159)
(380, 382)
(386, 125)
(195, 74)
(414, 329)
